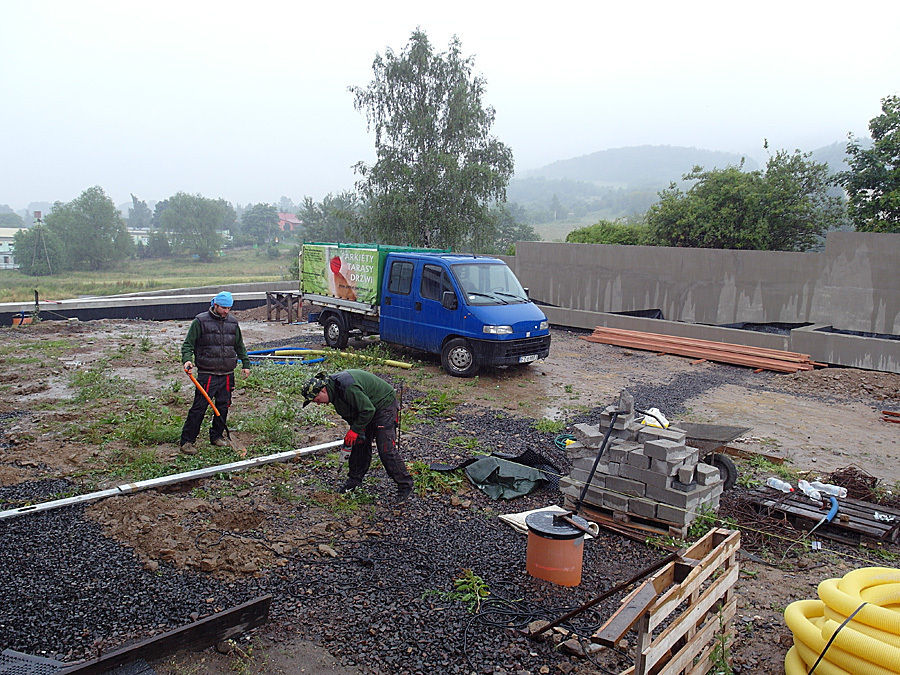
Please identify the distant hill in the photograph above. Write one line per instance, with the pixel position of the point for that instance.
(639, 166)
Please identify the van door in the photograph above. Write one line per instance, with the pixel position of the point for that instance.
(399, 323)
(436, 320)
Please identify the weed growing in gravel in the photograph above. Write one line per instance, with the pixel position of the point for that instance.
(283, 492)
(882, 553)
(783, 471)
(146, 344)
(748, 481)
(548, 426)
(423, 410)
(706, 520)
(470, 589)
(426, 480)
(470, 443)
(720, 656)
(138, 464)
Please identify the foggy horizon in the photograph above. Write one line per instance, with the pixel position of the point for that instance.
(251, 105)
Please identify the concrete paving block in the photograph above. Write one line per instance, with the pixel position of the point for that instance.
(588, 434)
(670, 514)
(653, 433)
(666, 468)
(665, 449)
(642, 507)
(617, 453)
(677, 498)
(625, 486)
(686, 475)
(580, 477)
(645, 476)
(615, 502)
(612, 469)
(638, 458)
(586, 463)
(707, 475)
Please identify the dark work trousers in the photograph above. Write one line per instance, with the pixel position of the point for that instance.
(219, 388)
(382, 428)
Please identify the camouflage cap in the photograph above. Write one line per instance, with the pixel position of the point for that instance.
(312, 387)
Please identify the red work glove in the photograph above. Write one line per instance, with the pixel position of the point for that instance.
(350, 438)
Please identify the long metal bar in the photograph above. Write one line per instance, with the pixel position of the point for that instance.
(129, 488)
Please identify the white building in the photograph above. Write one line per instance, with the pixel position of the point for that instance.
(7, 260)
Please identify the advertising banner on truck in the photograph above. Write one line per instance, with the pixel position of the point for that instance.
(340, 272)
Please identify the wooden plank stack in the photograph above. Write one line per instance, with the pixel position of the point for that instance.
(706, 350)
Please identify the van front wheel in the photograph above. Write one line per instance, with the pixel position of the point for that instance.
(458, 359)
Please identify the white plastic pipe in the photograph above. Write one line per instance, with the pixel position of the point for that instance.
(129, 488)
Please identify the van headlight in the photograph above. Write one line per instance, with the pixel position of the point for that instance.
(544, 325)
(498, 330)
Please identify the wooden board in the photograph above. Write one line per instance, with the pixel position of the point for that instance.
(199, 635)
(632, 609)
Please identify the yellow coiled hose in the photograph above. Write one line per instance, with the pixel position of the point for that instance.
(869, 644)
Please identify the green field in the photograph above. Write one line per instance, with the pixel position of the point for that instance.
(233, 266)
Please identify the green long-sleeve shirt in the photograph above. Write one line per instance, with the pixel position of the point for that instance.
(358, 402)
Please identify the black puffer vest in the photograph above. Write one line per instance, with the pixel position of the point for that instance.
(214, 351)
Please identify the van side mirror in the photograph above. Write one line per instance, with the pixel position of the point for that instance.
(525, 288)
(449, 300)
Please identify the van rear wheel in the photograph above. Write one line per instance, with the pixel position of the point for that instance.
(336, 334)
(458, 358)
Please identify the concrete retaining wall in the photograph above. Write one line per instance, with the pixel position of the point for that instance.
(854, 285)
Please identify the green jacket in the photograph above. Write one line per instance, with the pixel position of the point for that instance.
(356, 395)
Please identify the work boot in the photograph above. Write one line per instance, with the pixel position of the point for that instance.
(221, 442)
(187, 448)
(350, 484)
(404, 492)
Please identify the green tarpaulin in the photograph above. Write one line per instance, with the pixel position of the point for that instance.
(501, 479)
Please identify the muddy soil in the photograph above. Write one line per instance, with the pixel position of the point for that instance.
(818, 421)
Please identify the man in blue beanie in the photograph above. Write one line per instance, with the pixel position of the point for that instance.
(214, 344)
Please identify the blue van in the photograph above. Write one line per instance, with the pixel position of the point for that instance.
(469, 309)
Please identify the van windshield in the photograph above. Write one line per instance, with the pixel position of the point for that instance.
(488, 284)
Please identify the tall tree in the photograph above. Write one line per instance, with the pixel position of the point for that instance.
(139, 215)
(335, 218)
(873, 180)
(194, 224)
(787, 207)
(260, 221)
(38, 251)
(438, 169)
(91, 230)
(11, 219)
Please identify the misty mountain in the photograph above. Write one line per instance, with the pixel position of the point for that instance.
(639, 166)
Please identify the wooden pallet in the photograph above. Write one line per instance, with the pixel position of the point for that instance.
(691, 601)
(855, 520)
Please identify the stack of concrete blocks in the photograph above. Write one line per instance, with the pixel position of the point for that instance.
(646, 471)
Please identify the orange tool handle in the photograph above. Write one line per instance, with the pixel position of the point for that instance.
(202, 391)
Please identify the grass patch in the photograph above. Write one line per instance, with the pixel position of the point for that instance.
(422, 410)
(95, 383)
(45, 347)
(242, 265)
(548, 426)
(427, 480)
(762, 465)
(148, 423)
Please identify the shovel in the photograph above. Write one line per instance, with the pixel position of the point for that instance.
(242, 451)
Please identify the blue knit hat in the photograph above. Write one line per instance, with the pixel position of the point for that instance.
(223, 299)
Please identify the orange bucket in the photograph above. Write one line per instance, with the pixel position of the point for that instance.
(555, 548)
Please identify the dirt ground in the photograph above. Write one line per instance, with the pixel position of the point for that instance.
(818, 421)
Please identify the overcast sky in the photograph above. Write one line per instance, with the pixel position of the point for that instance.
(249, 102)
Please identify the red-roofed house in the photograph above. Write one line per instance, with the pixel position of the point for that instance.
(288, 222)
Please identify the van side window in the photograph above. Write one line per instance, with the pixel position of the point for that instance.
(434, 282)
(400, 281)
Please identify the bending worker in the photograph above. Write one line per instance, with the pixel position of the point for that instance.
(369, 406)
(214, 344)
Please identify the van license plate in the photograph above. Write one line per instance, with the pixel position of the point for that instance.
(528, 359)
